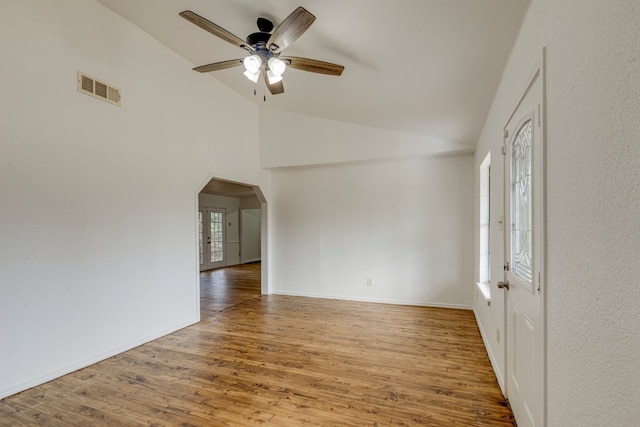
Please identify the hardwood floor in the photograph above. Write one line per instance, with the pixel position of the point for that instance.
(283, 361)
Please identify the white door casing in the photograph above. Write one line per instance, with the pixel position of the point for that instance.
(524, 253)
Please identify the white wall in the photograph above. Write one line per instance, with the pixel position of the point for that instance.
(291, 139)
(406, 225)
(251, 229)
(526, 54)
(593, 205)
(98, 203)
(594, 213)
(250, 235)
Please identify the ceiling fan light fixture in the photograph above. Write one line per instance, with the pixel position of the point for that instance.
(252, 76)
(252, 63)
(276, 66)
(265, 47)
(272, 77)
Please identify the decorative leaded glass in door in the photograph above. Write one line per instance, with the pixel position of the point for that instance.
(521, 203)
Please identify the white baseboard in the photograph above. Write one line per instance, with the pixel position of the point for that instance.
(374, 300)
(247, 261)
(5, 392)
(492, 358)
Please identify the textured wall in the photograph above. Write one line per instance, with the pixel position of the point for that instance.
(593, 205)
(594, 214)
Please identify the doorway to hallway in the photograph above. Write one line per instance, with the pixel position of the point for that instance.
(229, 224)
(231, 231)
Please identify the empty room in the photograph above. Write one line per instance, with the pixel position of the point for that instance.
(320, 213)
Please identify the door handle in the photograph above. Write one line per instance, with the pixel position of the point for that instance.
(504, 285)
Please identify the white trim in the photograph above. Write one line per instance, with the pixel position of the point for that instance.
(542, 224)
(252, 260)
(374, 300)
(91, 361)
(484, 235)
(492, 357)
(538, 215)
(542, 115)
(485, 288)
(196, 246)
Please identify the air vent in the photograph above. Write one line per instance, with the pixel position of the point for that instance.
(90, 86)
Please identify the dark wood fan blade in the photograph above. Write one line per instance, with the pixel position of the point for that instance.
(215, 29)
(218, 66)
(275, 88)
(313, 65)
(290, 29)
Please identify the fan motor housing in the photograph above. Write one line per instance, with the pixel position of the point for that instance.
(258, 39)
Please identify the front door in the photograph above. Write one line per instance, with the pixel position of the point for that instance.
(211, 238)
(523, 279)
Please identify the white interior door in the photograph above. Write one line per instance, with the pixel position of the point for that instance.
(211, 238)
(524, 253)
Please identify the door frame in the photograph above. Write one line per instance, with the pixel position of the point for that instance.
(207, 246)
(539, 209)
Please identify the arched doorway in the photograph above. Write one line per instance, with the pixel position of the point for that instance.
(231, 228)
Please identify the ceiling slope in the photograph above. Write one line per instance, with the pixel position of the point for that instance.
(421, 67)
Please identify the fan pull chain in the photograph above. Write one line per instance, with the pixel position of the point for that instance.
(255, 92)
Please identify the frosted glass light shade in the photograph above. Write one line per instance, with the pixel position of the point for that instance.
(252, 63)
(273, 78)
(276, 66)
(252, 76)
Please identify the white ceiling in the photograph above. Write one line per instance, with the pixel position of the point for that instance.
(422, 67)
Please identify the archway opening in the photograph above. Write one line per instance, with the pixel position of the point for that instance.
(232, 243)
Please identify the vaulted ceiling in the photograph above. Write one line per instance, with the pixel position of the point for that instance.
(420, 67)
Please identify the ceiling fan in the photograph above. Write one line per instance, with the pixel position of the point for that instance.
(265, 48)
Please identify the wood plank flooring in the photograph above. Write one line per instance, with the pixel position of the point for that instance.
(283, 361)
